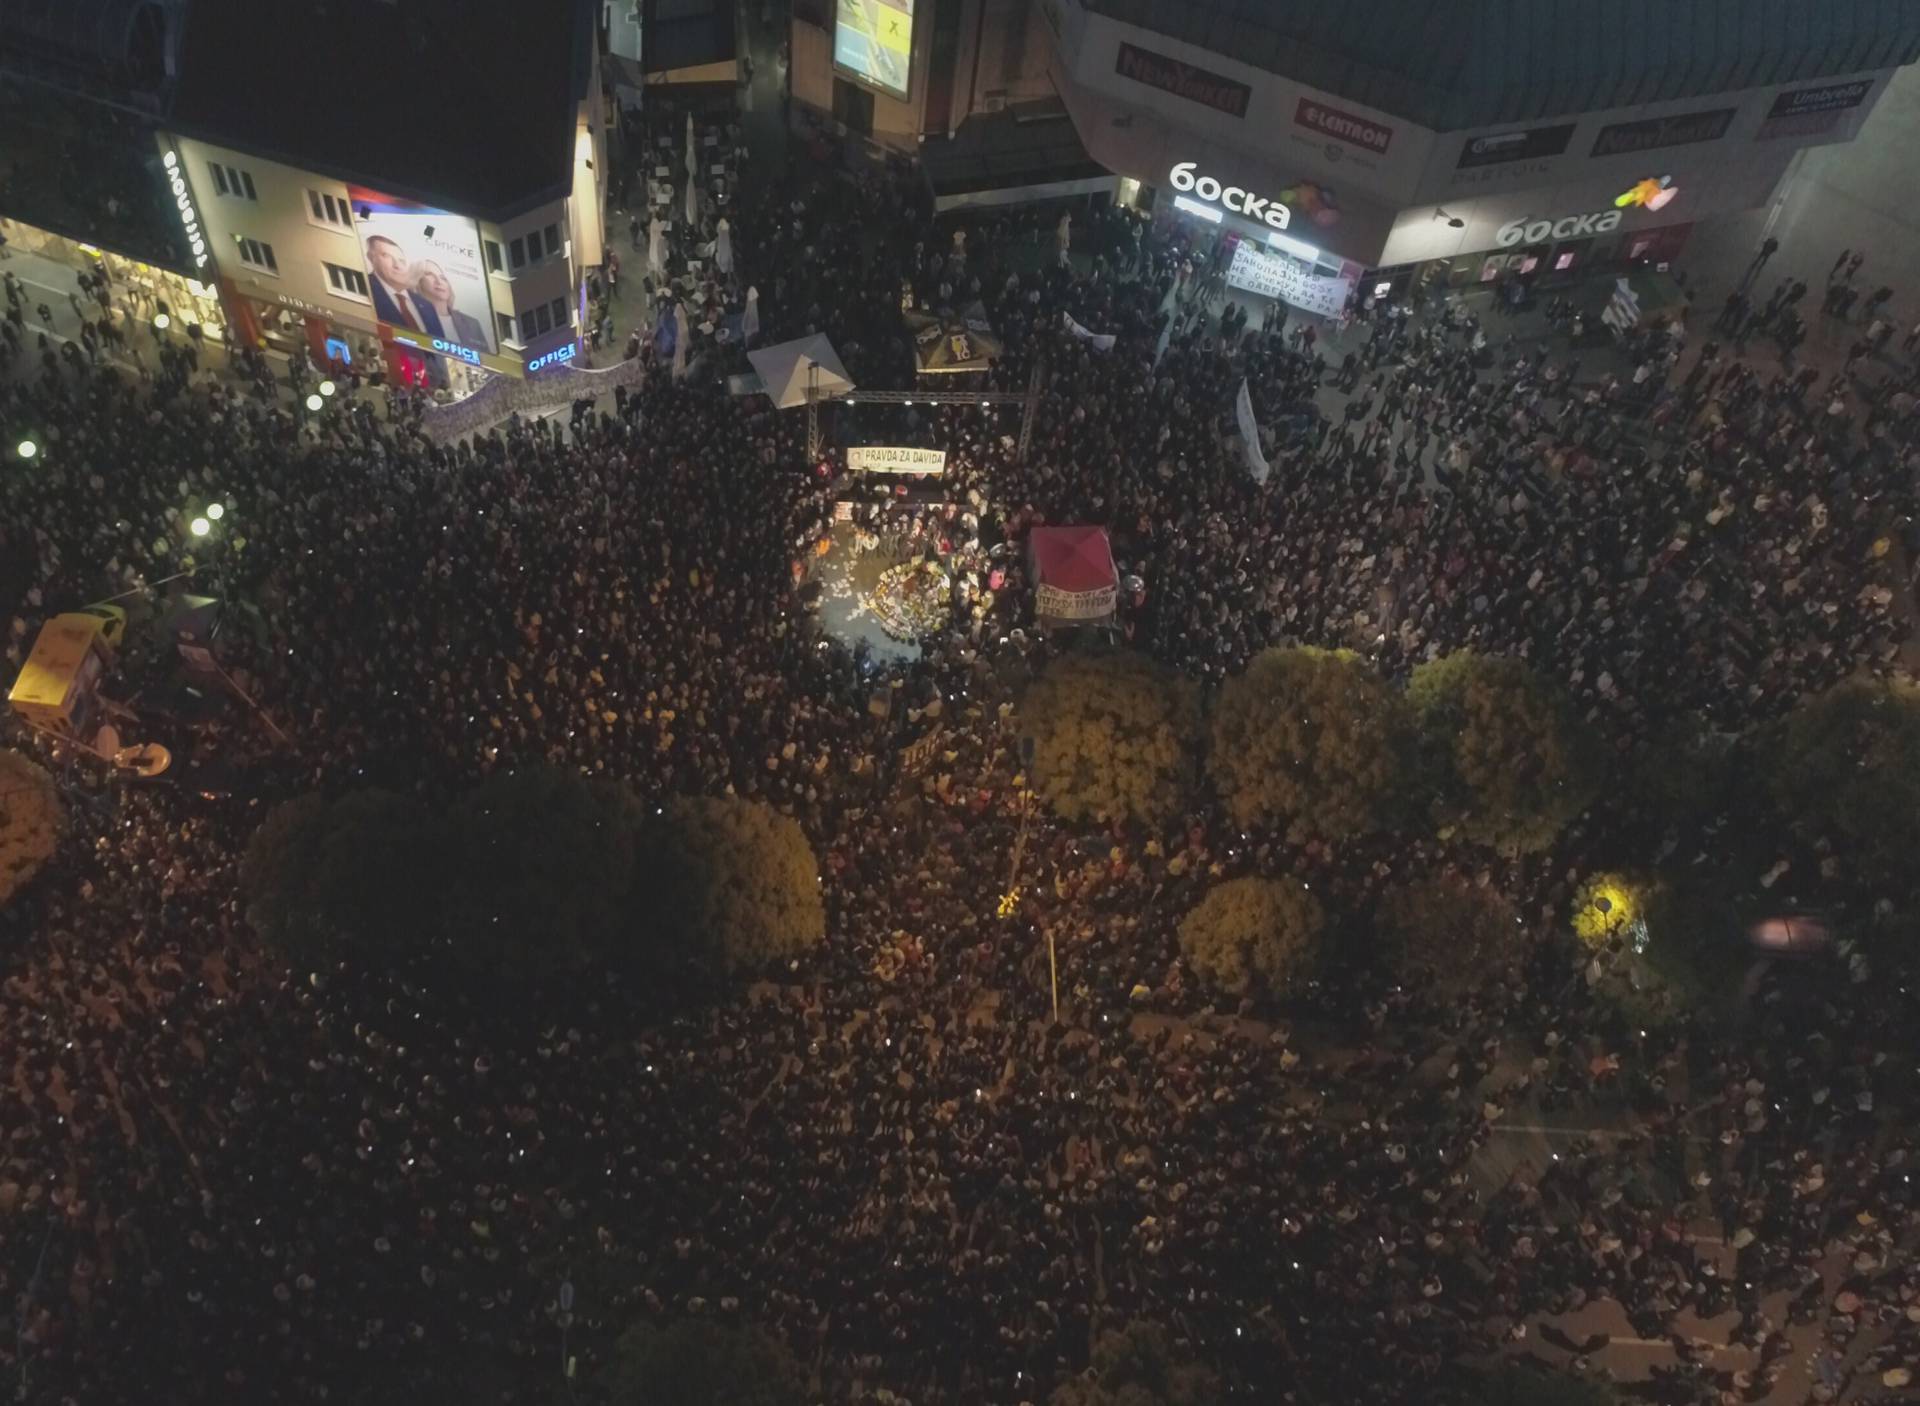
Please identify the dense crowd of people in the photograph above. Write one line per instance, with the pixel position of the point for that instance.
(224, 1180)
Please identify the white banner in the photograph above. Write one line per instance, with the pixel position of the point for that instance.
(1103, 342)
(881, 459)
(1250, 432)
(1057, 604)
(1289, 279)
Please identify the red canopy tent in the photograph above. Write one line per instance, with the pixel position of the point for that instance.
(1074, 579)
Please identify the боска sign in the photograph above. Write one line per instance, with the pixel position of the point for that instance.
(1234, 198)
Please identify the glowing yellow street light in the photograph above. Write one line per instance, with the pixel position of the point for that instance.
(199, 527)
(216, 511)
(27, 449)
(162, 321)
(326, 388)
(314, 402)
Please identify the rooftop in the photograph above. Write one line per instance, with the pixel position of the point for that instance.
(463, 104)
(1454, 64)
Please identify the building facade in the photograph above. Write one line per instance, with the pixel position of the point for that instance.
(442, 242)
(1395, 141)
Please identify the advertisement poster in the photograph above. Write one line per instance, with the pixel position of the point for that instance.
(424, 271)
(873, 42)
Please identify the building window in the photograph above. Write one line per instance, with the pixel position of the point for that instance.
(543, 317)
(553, 240)
(257, 254)
(505, 324)
(559, 306)
(493, 255)
(329, 210)
(517, 252)
(231, 180)
(349, 282)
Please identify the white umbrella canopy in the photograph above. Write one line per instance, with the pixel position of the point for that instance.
(693, 205)
(657, 245)
(679, 340)
(750, 321)
(723, 248)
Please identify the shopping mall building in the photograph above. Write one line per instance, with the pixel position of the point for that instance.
(1379, 142)
(269, 174)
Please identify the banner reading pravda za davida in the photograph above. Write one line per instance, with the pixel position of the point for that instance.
(895, 459)
(1250, 432)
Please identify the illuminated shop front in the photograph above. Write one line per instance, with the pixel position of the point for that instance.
(140, 290)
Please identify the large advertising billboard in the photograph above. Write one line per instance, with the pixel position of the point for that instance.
(873, 43)
(424, 272)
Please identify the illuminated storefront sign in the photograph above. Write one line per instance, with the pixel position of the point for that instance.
(557, 357)
(1234, 198)
(407, 337)
(1525, 231)
(183, 202)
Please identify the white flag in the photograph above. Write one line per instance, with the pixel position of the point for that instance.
(1250, 432)
(1102, 342)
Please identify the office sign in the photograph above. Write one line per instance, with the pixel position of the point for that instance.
(1362, 132)
(1529, 144)
(420, 341)
(1235, 198)
(559, 356)
(1828, 97)
(873, 43)
(1183, 80)
(1650, 134)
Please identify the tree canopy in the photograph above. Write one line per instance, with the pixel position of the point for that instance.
(1310, 739)
(1502, 755)
(1114, 736)
(30, 816)
(324, 878)
(1252, 935)
(1136, 1366)
(543, 870)
(1846, 767)
(698, 1363)
(732, 886)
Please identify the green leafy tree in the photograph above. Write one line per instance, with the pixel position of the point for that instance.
(698, 1363)
(1252, 935)
(731, 885)
(1447, 931)
(1115, 737)
(30, 816)
(543, 871)
(1136, 1366)
(1310, 739)
(325, 878)
(1846, 767)
(1502, 754)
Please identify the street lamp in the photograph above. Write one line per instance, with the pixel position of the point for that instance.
(314, 402)
(216, 511)
(26, 449)
(161, 321)
(199, 527)
(326, 388)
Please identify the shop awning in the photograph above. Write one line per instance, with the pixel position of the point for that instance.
(1029, 152)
